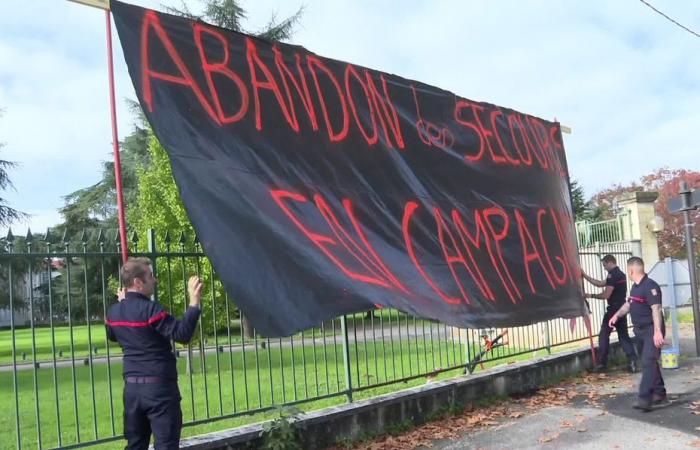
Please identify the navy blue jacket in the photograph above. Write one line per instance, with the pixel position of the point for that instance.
(642, 296)
(144, 330)
(618, 281)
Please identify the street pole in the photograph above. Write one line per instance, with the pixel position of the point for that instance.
(690, 248)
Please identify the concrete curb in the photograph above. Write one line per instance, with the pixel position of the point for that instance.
(351, 421)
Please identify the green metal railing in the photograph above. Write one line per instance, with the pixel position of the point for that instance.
(63, 378)
(613, 230)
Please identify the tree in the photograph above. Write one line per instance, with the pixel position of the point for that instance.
(666, 182)
(578, 201)
(602, 204)
(230, 14)
(8, 215)
(96, 206)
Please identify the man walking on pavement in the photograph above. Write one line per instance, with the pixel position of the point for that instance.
(615, 285)
(644, 304)
(144, 330)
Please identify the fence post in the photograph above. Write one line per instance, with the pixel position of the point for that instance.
(152, 256)
(468, 370)
(346, 356)
(622, 225)
(547, 338)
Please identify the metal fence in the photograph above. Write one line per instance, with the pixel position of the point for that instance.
(605, 231)
(62, 378)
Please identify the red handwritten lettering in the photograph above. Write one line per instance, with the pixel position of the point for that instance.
(302, 90)
(269, 83)
(351, 73)
(409, 210)
(452, 259)
(530, 252)
(460, 106)
(222, 69)
(316, 64)
(185, 78)
(488, 214)
(386, 112)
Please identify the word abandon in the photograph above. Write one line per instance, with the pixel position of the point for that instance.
(316, 94)
(468, 251)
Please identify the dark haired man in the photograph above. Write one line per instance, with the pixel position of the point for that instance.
(615, 285)
(644, 304)
(144, 330)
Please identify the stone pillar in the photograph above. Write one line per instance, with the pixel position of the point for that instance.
(639, 207)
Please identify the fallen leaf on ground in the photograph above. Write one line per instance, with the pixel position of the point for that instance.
(566, 424)
(548, 438)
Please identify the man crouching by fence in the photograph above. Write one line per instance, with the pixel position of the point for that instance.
(144, 330)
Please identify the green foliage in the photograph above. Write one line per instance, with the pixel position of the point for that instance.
(19, 268)
(159, 203)
(8, 214)
(160, 208)
(666, 182)
(230, 14)
(96, 206)
(578, 200)
(283, 432)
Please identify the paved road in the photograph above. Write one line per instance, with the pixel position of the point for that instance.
(614, 424)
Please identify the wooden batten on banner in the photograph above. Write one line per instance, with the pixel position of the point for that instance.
(101, 4)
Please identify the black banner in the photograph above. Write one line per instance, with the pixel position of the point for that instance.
(320, 188)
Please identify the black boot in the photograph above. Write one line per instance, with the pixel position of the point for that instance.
(659, 399)
(643, 404)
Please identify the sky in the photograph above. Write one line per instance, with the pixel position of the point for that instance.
(626, 80)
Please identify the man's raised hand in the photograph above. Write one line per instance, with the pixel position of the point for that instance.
(194, 289)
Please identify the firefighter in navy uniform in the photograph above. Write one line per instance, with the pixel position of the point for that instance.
(144, 330)
(615, 285)
(644, 304)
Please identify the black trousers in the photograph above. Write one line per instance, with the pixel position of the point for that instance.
(152, 408)
(652, 381)
(623, 336)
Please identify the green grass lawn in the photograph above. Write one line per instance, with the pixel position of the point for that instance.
(60, 338)
(229, 385)
(44, 342)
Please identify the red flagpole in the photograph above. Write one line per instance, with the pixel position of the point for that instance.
(115, 142)
(589, 327)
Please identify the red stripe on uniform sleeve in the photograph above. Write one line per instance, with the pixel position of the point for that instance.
(161, 315)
